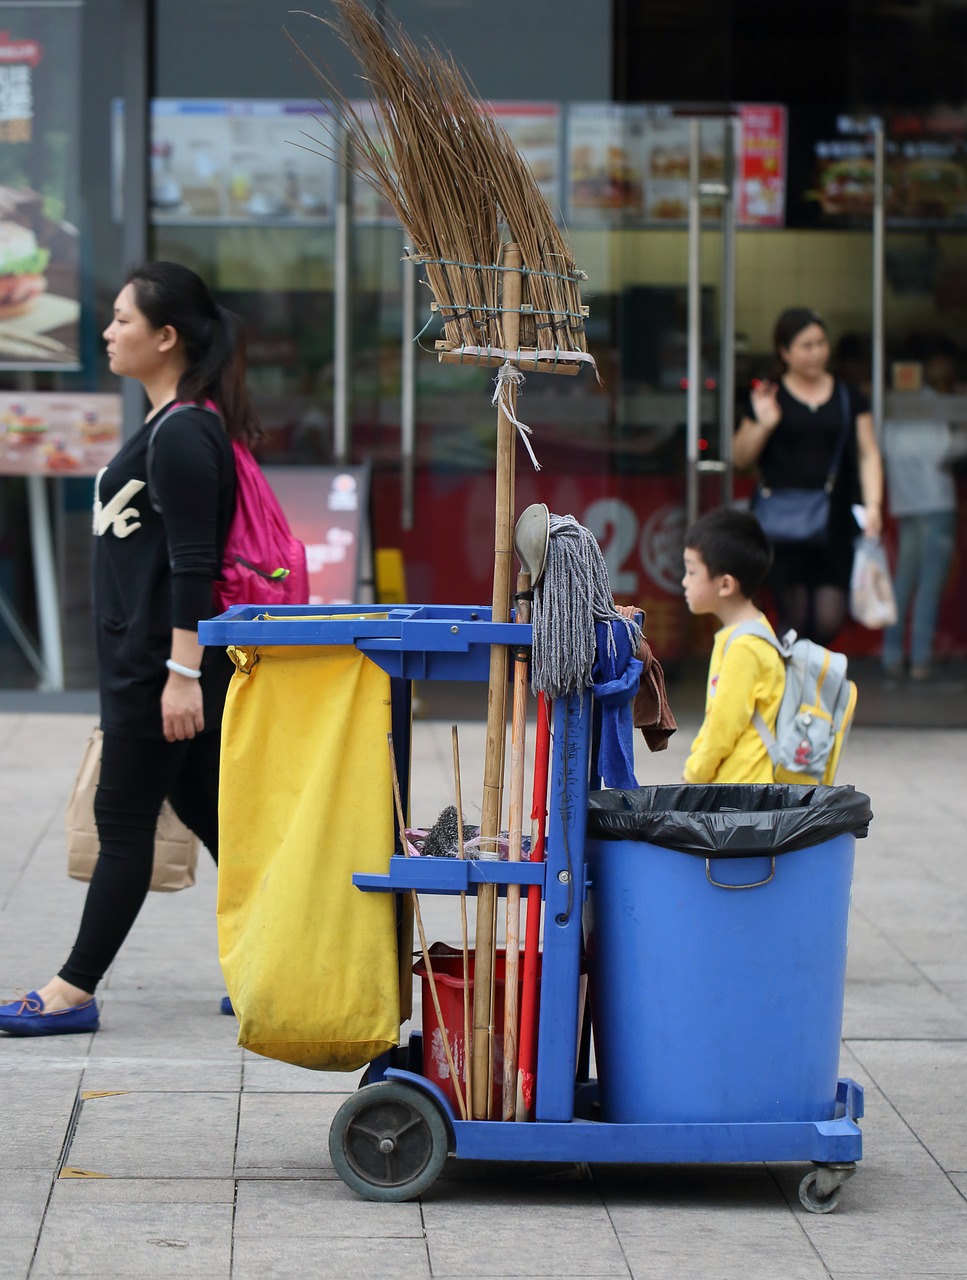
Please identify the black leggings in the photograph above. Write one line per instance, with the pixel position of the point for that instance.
(814, 613)
(136, 775)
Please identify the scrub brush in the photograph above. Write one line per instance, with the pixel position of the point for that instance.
(442, 839)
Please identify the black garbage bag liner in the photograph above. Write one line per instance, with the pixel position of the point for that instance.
(726, 821)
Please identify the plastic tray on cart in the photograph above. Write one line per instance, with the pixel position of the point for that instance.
(410, 641)
(448, 875)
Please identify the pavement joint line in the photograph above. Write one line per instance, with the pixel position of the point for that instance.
(946, 1173)
(75, 1115)
(238, 1130)
(850, 1041)
(87, 1062)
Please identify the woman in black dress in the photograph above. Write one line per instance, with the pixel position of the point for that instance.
(157, 553)
(790, 430)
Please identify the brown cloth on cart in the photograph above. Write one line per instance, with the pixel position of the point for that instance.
(651, 712)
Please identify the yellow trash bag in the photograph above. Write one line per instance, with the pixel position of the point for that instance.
(305, 801)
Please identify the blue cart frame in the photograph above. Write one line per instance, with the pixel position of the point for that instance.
(419, 1126)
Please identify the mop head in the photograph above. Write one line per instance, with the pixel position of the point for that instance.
(442, 839)
(572, 596)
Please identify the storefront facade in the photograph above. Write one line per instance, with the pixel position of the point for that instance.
(195, 134)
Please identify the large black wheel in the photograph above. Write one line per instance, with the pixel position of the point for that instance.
(389, 1141)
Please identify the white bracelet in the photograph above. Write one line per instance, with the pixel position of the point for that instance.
(190, 672)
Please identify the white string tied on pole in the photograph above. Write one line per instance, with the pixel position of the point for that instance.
(508, 375)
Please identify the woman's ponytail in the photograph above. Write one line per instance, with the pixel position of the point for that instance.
(219, 375)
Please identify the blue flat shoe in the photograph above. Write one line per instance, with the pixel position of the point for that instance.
(25, 1016)
(227, 1006)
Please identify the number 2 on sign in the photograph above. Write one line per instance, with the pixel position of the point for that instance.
(615, 526)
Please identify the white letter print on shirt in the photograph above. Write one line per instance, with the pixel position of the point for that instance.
(123, 520)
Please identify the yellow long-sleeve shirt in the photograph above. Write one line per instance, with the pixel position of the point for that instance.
(750, 676)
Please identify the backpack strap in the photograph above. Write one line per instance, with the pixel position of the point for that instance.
(209, 406)
(783, 647)
(763, 632)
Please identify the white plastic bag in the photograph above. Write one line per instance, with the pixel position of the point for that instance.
(871, 598)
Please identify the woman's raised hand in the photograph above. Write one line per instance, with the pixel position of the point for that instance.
(765, 404)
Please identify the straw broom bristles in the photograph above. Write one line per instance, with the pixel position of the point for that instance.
(455, 180)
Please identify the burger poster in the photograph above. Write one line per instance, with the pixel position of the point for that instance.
(925, 171)
(39, 308)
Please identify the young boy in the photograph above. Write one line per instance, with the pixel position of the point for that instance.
(727, 556)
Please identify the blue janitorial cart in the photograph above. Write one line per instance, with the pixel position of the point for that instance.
(712, 929)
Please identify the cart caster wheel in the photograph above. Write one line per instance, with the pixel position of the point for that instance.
(811, 1198)
(388, 1141)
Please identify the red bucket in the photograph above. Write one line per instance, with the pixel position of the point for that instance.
(448, 972)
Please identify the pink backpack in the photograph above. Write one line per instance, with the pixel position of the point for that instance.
(263, 563)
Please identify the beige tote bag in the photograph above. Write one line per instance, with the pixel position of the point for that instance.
(175, 847)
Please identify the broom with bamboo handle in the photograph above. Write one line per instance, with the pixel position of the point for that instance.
(484, 945)
(515, 825)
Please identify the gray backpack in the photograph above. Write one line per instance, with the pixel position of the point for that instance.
(816, 710)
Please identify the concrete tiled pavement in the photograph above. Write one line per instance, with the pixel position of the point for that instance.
(214, 1162)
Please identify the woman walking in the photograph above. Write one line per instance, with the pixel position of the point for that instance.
(162, 509)
(798, 431)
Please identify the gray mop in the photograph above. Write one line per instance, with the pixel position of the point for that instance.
(571, 596)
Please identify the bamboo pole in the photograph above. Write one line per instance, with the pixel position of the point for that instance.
(431, 978)
(484, 947)
(515, 825)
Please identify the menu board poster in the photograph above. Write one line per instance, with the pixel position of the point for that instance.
(535, 130)
(328, 509)
(261, 160)
(39, 142)
(606, 164)
(58, 434)
(252, 160)
(925, 169)
(628, 165)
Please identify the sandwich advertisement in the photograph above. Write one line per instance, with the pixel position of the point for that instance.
(39, 103)
(925, 170)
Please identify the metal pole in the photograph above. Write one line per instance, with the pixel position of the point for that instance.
(45, 584)
(408, 395)
(878, 371)
(137, 86)
(727, 350)
(340, 390)
(693, 402)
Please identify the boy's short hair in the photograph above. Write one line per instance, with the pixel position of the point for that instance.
(732, 541)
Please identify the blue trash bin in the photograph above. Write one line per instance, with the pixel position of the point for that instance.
(717, 973)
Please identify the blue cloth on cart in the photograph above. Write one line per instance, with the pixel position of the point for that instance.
(614, 683)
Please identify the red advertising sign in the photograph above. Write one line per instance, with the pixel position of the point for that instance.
(762, 166)
(639, 522)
